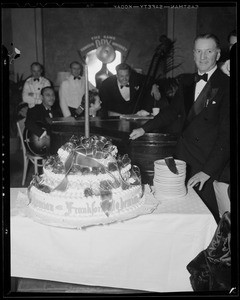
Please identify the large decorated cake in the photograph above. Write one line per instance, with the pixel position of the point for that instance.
(86, 182)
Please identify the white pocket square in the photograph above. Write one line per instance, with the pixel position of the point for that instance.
(214, 102)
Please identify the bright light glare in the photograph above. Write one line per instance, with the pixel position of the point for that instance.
(17, 51)
(95, 65)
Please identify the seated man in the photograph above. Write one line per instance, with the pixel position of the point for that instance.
(36, 120)
(32, 87)
(119, 93)
(72, 90)
(94, 104)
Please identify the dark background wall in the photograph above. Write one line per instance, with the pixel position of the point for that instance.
(52, 36)
(64, 29)
(218, 20)
(7, 31)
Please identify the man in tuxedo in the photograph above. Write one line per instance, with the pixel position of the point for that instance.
(36, 120)
(72, 90)
(33, 85)
(119, 93)
(200, 108)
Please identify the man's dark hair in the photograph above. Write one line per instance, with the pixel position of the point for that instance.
(123, 66)
(36, 64)
(92, 95)
(208, 36)
(45, 88)
(77, 63)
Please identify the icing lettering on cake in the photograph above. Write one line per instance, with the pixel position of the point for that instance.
(87, 178)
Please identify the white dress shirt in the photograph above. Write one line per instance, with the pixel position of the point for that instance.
(125, 91)
(31, 86)
(71, 92)
(201, 83)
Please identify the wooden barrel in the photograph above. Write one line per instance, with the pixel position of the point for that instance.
(148, 148)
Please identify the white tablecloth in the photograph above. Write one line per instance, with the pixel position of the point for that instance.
(148, 253)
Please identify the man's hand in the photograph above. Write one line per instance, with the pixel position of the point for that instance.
(200, 177)
(143, 113)
(79, 110)
(136, 133)
(155, 92)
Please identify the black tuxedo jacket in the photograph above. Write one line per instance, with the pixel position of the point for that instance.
(204, 139)
(38, 115)
(112, 99)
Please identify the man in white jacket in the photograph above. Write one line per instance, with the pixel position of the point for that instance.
(72, 90)
(33, 85)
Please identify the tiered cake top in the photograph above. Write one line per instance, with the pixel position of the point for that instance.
(83, 156)
(88, 157)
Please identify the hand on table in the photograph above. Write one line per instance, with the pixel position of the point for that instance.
(136, 133)
(143, 113)
(198, 178)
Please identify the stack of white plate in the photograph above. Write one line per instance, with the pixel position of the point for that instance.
(166, 183)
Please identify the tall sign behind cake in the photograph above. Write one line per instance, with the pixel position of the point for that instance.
(99, 70)
(89, 44)
(105, 46)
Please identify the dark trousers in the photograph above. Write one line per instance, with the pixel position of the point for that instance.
(207, 194)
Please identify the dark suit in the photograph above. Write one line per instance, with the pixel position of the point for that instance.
(112, 99)
(204, 135)
(38, 115)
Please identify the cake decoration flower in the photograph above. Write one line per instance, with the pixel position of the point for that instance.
(86, 156)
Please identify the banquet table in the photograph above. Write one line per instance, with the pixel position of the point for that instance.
(147, 253)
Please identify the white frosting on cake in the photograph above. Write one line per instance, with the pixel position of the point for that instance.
(63, 155)
(76, 206)
(89, 193)
(52, 179)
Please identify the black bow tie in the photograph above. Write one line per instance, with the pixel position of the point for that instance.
(199, 77)
(121, 86)
(36, 79)
(77, 77)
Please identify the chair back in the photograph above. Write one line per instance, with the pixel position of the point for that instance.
(20, 127)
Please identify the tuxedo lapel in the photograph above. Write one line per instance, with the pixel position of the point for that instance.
(116, 88)
(44, 113)
(131, 88)
(189, 97)
(134, 86)
(200, 102)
